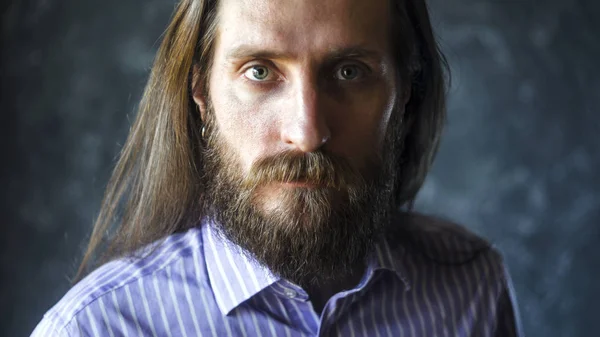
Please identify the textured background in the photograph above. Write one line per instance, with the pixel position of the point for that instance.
(518, 164)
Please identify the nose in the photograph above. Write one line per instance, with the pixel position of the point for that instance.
(305, 128)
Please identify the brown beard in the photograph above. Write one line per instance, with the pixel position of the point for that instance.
(314, 234)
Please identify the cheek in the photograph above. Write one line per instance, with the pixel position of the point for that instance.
(242, 122)
(384, 122)
(365, 124)
(383, 107)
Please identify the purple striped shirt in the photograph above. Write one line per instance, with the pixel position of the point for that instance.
(439, 283)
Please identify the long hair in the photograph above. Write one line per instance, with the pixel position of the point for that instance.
(155, 188)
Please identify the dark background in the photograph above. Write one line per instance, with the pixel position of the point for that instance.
(518, 164)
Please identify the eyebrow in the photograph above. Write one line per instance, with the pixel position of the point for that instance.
(252, 52)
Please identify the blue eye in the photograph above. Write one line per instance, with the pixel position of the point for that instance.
(348, 72)
(257, 73)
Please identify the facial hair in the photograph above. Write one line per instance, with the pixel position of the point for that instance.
(307, 235)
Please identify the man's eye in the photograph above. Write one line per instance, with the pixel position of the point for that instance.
(348, 72)
(257, 73)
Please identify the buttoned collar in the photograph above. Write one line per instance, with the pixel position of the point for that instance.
(235, 277)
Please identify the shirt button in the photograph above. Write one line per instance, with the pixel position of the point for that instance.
(289, 293)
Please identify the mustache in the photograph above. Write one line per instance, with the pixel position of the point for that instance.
(316, 168)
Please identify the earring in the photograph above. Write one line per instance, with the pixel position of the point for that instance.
(203, 132)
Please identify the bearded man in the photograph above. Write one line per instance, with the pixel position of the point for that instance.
(267, 184)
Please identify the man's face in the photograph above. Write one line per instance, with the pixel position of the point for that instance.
(300, 95)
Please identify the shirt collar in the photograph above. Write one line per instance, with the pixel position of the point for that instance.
(385, 257)
(235, 278)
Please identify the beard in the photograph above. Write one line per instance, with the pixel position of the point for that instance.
(313, 233)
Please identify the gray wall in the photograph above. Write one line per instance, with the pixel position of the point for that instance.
(518, 164)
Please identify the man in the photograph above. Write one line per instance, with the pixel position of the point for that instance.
(267, 184)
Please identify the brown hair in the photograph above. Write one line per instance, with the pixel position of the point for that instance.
(155, 188)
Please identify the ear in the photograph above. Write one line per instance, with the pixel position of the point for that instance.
(198, 92)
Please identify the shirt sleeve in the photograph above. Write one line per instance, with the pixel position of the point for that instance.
(508, 322)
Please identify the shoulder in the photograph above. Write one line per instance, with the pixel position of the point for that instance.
(462, 261)
(111, 282)
(438, 240)
(441, 243)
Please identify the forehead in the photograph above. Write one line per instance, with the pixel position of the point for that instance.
(301, 26)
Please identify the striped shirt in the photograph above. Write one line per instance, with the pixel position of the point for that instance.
(436, 279)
